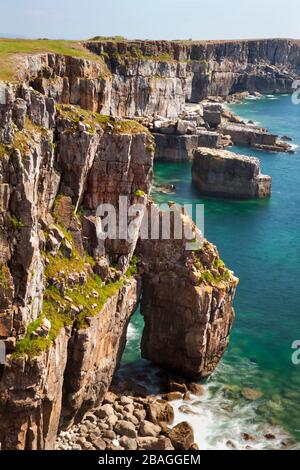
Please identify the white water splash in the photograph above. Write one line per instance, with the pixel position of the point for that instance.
(132, 332)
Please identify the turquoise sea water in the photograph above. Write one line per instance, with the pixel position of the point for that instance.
(259, 240)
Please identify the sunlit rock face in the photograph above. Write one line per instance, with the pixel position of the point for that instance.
(187, 304)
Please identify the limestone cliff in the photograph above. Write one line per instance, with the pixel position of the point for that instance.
(66, 297)
(160, 76)
(187, 305)
(226, 174)
(137, 78)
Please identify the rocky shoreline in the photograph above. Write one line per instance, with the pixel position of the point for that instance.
(209, 124)
(66, 296)
(132, 419)
(125, 422)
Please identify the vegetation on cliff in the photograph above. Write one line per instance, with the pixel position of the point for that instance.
(13, 49)
(69, 300)
(211, 268)
(92, 120)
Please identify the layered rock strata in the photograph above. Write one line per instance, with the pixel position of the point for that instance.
(207, 124)
(187, 305)
(137, 78)
(254, 136)
(160, 76)
(226, 174)
(65, 297)
(181, 148)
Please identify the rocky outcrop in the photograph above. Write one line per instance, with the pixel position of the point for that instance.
(66, 295)
(207, 124)
(187, 305)
(95, 353)
(226, 174)
(254, 136)
(181, 147)
(65, 298)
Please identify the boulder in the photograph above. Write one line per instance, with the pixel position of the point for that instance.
(154, 443)
(160, 411)
(177, 385)
(196, 389)
(212, 114)
(251, 394)
(186, 127)
(105, 411)
(140, 414)
(194, 447)
(181, 436)
(125, 428)
(128, 443)
(99, 444)
(172, 396)
(187, 410)
(149, 429)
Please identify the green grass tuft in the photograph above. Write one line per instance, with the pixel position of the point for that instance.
(92, 120)
(139, 193)
(12, 50)
(16, 223)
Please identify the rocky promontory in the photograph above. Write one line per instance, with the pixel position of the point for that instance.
(80, 131)
(227, 174)
(67, 296)
(186, 303)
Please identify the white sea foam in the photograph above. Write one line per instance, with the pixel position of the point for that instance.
(222, 424)
(253, 98)
(132, 332)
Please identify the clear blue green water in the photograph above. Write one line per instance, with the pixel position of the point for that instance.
(259, 240)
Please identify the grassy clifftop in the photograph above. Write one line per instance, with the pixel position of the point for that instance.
(13, 49)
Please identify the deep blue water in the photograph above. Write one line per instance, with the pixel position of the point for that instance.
(259, 241)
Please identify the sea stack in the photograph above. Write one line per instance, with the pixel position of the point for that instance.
(222, 173)
(187, 304)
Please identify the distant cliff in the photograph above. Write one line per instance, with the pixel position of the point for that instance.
(136, 78)
(159, 76)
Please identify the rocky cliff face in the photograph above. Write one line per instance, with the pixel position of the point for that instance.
(226, 174)
(159, 76)
(186, 304)
(145, 77)
(65, 298)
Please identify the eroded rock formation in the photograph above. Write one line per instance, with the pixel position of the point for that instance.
(226, 174)
(187, 305)
(65, 298)
(160, 76)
